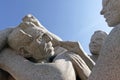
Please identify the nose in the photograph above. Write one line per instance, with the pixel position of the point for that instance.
(102, 11)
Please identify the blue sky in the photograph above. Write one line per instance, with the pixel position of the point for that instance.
(74, 20)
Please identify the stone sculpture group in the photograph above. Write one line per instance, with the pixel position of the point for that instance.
(30, 52)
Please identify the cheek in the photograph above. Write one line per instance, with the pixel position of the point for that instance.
(95, 45)
(92, 47)
(114, 11)
(37, 50)
(40, 49)
(117, 18)
(113, 20)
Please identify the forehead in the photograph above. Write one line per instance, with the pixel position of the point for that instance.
(104, 2)
(112, 2)
(97, 35)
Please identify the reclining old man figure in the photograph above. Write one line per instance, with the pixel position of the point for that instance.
(34, 53)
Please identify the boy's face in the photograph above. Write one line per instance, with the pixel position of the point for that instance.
(96, 43)
(111, 11)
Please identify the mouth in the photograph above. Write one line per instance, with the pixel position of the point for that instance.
(107, 19)
(106, 16)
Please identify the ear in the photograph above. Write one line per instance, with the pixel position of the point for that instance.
(4, 36)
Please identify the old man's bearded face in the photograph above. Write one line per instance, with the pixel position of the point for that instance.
(29, 41)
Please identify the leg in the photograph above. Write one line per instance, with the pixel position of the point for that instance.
(22, 69)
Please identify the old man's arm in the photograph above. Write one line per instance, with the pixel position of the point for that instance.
(22, 69)
(77, 48)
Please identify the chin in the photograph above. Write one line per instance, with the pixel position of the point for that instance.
(110, 24)
(113, 23)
